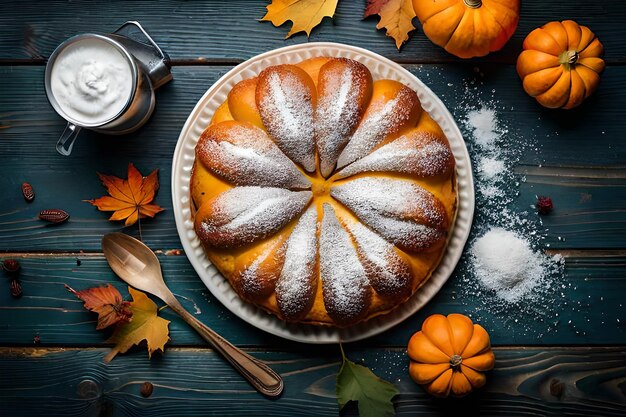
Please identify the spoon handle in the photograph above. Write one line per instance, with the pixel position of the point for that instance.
(261, 376)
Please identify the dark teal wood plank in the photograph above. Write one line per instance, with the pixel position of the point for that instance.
(196, 382)
(591, 198)
(229, 29)
(585, 306)
(27, 145)
(589, 137)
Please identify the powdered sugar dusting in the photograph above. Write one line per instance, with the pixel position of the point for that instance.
(246, 214)
(255, 280)
(287, 113)
(388, 274)
(345, 287)
(295, 288)
(417, 153)
(245, 155)
(249, 278)
(338, 109)
(351, 258)
(401, 211)
(377, 124)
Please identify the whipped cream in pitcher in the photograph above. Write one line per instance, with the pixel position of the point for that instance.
(105, 83)
(92, 81)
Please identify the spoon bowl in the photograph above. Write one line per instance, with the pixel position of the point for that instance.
(137, 265)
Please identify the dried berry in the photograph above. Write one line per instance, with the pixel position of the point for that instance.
(54, 215)
(146, 389)
(544, 205)
(556, 388)
(78, 262)
(16, 288)
(11, 265)
(28, 192)
(36, 339)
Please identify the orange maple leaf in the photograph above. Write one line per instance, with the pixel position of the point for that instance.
(395, 16)
(129, 199)
(107, 302)
(304, 14)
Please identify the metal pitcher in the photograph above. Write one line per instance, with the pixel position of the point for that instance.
(150, 68)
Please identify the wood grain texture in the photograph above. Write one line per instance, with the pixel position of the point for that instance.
(584, 307)
(590, 207)
(598, 253)
(213, 31)
(196, 382)
(575, 157)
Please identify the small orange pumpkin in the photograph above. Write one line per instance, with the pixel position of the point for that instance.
(561, 64)
(468, 28)
(450, 354)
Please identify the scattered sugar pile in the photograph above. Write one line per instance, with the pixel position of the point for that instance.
(505, 276)
(490, 168)
(483, 122)
(506, 268)
(505, 263)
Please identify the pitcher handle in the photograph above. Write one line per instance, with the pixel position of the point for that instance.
(66, 141)
(130, 32)
(147, 51)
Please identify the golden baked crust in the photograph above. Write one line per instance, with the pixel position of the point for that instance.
(324, 197)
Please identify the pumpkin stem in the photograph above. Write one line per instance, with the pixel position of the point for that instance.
(568, 58)
(474, 4)
(455, 361)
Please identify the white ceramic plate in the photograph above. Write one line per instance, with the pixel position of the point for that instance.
(218, 285)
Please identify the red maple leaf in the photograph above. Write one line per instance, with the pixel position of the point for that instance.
(107, 302)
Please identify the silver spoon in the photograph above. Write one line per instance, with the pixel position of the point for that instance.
(136, 264)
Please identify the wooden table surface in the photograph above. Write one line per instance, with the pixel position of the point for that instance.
(566, 355)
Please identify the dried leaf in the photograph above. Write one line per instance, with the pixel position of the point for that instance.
(146, 325)
(395, 16)
(129, 199)
(373, 394)
(107, 302)
(373, 7)
(304, 14)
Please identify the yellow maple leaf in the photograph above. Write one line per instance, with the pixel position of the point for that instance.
(145, 325)
(304, 14)
(396, 17)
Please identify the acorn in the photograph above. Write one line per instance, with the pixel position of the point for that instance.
(146, 389)
(11, 265)
(28, 192)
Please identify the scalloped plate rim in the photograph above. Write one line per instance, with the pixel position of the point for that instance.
(218, 285)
